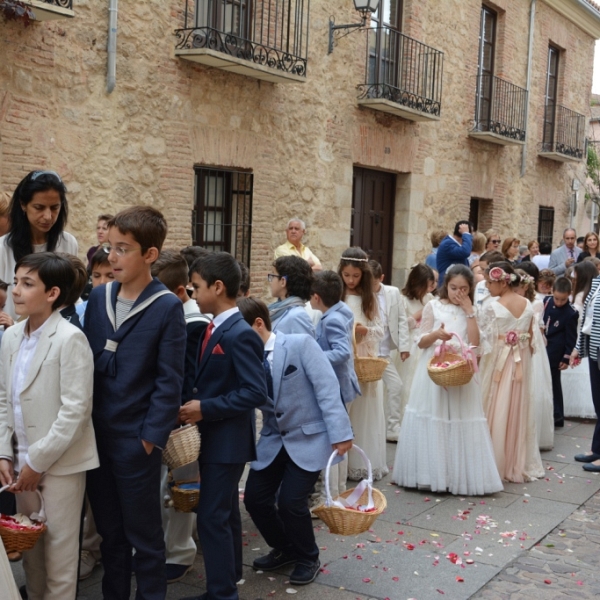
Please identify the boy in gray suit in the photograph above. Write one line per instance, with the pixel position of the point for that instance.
(303, 419)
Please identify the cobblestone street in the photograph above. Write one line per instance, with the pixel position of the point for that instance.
(540, 539)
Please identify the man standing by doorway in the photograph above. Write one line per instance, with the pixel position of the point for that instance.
(295, 231)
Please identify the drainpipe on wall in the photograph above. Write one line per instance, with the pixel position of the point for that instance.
(111, 76)
(529, 68)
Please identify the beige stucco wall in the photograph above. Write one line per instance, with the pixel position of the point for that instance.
(300, 140)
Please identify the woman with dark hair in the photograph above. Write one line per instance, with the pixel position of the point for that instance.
(577, 394)
(38, 215)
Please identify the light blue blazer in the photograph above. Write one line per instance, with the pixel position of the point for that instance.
(307, 414)
(334, 336)
(294, 320)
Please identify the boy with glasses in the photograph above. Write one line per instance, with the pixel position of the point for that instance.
(136, 330)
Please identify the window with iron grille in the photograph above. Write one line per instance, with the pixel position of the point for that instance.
(223, 212)
(545, 224)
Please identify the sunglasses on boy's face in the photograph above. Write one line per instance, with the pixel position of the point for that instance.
(272, 276)
(119, 250)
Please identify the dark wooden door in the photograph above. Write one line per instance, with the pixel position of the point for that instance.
(373, 196)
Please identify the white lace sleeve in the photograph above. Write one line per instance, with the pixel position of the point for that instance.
(538, 309)
(487, 329)
(427, 322)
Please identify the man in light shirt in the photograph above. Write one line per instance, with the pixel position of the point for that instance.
(295, 231)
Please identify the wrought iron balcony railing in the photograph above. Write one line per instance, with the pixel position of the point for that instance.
(48, 10)
(60, 3)
(564, 133)
(266, 33)
(500, 109)
(404, 72)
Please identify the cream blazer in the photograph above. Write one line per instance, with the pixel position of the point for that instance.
(56, 400)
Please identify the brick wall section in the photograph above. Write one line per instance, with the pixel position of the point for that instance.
(166, 115)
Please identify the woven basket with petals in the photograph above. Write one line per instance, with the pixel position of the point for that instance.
(368, 368)
(459, 371)
(21, 540)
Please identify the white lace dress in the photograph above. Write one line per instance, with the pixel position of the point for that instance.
(507, 392)
(406, 369)
(366, 411)
(577, 391)
(541, 382)
(444, 442)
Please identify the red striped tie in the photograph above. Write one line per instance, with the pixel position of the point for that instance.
(207, 335)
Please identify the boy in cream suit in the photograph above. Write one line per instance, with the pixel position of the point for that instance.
(46, 435)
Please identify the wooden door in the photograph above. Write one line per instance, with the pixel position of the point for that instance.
(373, 215)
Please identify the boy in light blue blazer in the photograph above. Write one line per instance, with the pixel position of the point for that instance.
(303, 420)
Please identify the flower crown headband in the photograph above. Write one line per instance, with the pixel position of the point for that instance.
(354, 259)
(527, 279)
(498, 274)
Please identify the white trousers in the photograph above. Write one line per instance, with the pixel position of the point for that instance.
(51, 566)
(393, 398)
(178, 526)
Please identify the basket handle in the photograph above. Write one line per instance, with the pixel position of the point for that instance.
(353, 498)
(35, 516)
(466, 351)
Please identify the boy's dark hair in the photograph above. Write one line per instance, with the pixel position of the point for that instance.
(462, 222)
(545, 248)
(245, 279)
(298, 275)
(562, 285)
(105, 217)
(146, 224)
(531, 269)
(81, 279)
(219, 266)
(3, 286)
(100, 257)
(19, 236)
(491, 256)
(192, 253)
(171, 269)
(53, 270)
(376, 269)
(580, 239)
(252, 309)
(329, 286)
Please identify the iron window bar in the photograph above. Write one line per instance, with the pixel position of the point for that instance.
(569, 133)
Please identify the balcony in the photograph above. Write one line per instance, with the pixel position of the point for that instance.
(402, 76)
(263, 39)
(51, 10)
(500, 112)
(564, 135)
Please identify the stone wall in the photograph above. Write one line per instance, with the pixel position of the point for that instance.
(301, 140)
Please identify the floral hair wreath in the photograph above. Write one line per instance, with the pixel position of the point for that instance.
(498, 274)
(527, 279)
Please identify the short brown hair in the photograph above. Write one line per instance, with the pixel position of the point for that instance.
(252, 308)
(5, 198)
(376, 269)
(491, 256)
(479, 242)
(547, 276)
(105, 217)
(171, 269)
(437, 237)
(145, 223)
(81, 279)
(192, 253)
(328, 285)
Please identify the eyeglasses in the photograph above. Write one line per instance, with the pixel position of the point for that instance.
(37, 174)
(119, 250)
(271, 276)
(495, 241)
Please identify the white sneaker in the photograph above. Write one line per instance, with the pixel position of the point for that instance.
(87, 563)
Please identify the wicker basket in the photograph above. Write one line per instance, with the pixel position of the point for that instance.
(185, 500)
(460, 373)
(368, 369)
(23, 539)
(347, 521)
(183, 447)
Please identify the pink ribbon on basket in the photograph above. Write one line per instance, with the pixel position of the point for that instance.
(466, 352)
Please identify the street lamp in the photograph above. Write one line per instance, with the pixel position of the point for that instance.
(364, 7)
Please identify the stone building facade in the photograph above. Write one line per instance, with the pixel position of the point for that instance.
(231, 151)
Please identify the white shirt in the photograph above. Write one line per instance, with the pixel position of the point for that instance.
(269, 347)
(541, 261)
(192, 313)
(386, 343)
(481, 293)
(220, 319)
(22, 364)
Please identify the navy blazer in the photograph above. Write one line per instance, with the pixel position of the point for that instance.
(140, 395)
(230, 385)
(334, 336)
(561, 331)
(306, 414)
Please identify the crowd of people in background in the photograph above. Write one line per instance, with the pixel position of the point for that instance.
(99, 362)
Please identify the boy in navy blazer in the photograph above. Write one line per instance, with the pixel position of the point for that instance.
(228, 386)
(136, 330)
(304, 418)
(560, 321)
